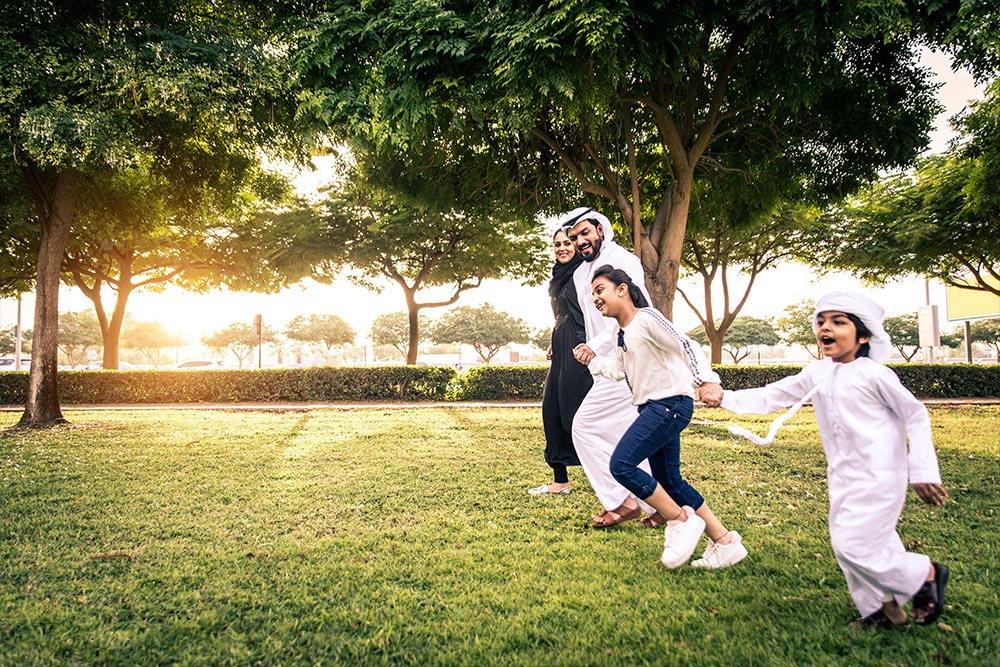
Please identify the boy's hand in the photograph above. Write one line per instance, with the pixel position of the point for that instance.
(932, 494)
(710, 394)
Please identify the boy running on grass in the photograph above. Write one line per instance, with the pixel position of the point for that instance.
(864, 415)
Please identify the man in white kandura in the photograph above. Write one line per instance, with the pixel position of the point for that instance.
(607, 411)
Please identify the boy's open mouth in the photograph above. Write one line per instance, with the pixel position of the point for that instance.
(826, 340)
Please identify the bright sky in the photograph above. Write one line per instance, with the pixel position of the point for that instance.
(194, 316)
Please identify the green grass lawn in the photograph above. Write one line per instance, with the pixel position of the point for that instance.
(405, 536)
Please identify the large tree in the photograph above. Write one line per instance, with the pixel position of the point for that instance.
(484, 328)
(140, 231)
(626, 102)
(176, 87)
(373, 233)
(745, 334)
(326, 329)
(78, 334)
(939, 220)
(393, 329)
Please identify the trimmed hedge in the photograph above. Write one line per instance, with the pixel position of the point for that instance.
(924, 380)
(414, 383)
(497, 383)
(356, 383)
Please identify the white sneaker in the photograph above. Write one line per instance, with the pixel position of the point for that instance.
(544, 490)
(681, 538)
(722, 555)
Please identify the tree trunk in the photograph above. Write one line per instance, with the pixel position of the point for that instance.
(413, 311)
(662, 280)
(42, 408)
(716, 339)
(113, 334)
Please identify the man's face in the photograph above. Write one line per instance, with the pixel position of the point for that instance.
(587, 236)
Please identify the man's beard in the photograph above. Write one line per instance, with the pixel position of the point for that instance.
(595, 250)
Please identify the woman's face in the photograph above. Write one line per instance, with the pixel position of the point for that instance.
(563, 247)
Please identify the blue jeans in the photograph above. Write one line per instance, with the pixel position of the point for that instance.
(655, 435)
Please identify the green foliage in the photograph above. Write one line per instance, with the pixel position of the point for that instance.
(743, 334)
(347, 537)
(359, 383)
(622, 102)
(329, 330)
(8, 341)
(904, 331)
(541, 338)
(318, 384)
(239, 338)
(139, 230)
(988, 332)
(150, 339)
(78, 332)
(939, 221)
(498, 383)
(953, 339)
(394, 329)
(749, 218)
(187, 95)
(747, 333)
(373, 233)
(795, 326)
(483, 327)
(168, 81)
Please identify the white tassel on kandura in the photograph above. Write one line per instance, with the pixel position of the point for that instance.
(736, 429)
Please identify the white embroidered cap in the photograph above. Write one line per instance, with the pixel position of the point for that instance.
(866, 310)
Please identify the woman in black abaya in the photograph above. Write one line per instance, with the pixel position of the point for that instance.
(568, 380)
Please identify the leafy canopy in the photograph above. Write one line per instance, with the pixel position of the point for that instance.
(623, 102)
(484, 328)
(326, 329)
(939, 221)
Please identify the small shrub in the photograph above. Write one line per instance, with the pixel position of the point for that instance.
(497, 383)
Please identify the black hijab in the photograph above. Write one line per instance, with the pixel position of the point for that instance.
(562, 274)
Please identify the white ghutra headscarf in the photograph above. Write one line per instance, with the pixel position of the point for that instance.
(587, 213)
(866, 310)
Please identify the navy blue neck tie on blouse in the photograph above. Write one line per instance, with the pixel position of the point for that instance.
(624, 347)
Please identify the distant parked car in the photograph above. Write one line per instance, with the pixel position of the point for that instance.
(99, 365)
(10, 363)
(201, 363)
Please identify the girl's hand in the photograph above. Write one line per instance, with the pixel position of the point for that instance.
(710, 393)
(548, 353)
(932, 494)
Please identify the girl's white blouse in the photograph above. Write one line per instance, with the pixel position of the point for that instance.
(658, 361)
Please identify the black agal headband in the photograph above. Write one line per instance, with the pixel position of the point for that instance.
(573, 221)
